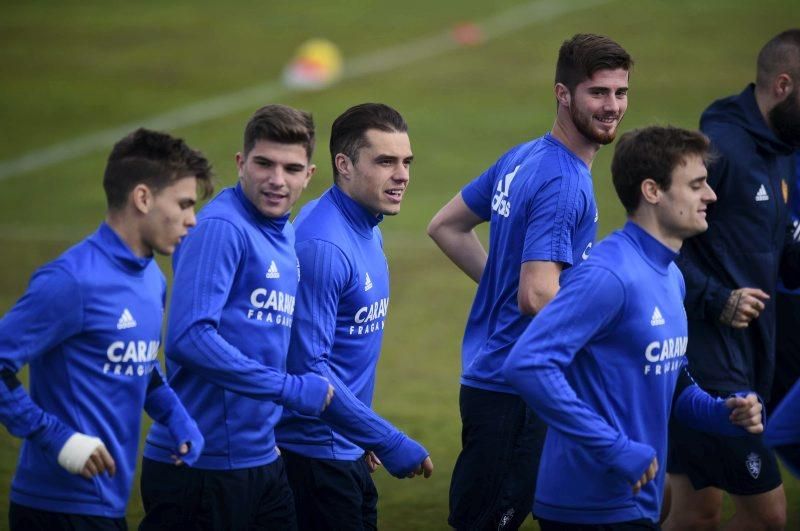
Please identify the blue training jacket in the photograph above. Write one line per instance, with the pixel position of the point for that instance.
(233, 302)
(89, 326)
(600, 365)
(342, 305)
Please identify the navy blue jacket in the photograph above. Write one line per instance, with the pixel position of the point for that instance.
(744, 246)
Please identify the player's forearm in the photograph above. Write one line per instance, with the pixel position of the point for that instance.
(700, 411)
(25, 419)
(463, 248)
(202, 350)
(350, 417)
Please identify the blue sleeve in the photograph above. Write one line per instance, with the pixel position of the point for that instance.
(784, 423)
(701, 411)
(783, 431)
(478, 193)
(535, 368)
(204, 274)
(552, 213)
(164, 406)
(50, 312)
(325, 274)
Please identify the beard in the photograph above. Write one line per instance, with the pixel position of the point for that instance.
(583, 123)
(785, 120)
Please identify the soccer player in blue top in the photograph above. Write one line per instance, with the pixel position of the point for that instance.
(539, 201)
(342, 304)
(228, 332)
(89, 326)
(604, 363)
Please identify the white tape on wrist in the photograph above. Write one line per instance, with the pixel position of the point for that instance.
(76, 452)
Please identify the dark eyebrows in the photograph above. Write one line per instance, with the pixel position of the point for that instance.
(260, 159)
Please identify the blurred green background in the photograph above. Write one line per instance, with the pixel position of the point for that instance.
(74, 69)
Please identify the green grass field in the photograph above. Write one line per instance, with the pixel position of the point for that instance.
(71, 69)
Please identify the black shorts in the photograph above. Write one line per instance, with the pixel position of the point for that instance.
(494, 479)
(332, 494)
(181, 497)
(632, 525)
(24, 518)
(742, 466)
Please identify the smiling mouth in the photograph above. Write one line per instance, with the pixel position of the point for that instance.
(607, 119)
(396, 193)
(273, 196)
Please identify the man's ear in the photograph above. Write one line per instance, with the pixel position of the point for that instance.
(651, 192)
(563, 95)
(344, 166)
(142, 198)
(783, 85)
(240, 160)
(311, 169)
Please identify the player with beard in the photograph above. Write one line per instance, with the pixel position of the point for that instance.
(731, 275)
(539, 200)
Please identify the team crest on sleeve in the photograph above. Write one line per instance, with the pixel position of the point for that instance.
(753, 464)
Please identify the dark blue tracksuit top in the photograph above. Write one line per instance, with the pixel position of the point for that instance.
(745, 246)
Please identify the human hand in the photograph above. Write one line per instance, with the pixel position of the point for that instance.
(746, 412)
(99, 461)
(328, 398)
(373, 463)
(424, 469)
(743, 306)
(647, 477)
(86, 455)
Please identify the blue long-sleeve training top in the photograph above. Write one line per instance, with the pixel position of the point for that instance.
(600, 365)
(233, 303)
(89, 326)
(342, 305)
(539, 200)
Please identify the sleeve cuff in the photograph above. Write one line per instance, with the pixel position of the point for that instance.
(305, 393)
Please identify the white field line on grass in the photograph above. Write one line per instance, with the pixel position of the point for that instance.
(424, 48)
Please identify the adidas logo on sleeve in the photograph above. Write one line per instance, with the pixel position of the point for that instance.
(762, 195)
(126, 320)
(657, 319)
(273, 272)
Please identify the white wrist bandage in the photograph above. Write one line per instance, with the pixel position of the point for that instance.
(76, 452)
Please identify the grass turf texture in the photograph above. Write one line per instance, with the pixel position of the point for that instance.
(72, 69)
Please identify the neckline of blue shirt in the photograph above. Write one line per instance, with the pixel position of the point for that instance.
(361, 219)
(655, 253)
(110, 244)
(550, 138)
(269, 223)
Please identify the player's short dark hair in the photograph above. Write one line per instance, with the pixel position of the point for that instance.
(652, 153)
(584, 54)
(153, 159)
(780, 55)
(348, 133)
(281, 124)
